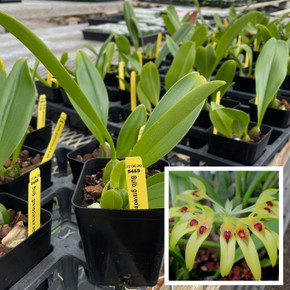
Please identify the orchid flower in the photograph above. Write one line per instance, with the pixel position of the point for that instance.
(197, 221)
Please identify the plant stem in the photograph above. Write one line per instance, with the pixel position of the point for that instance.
(271, 180)
(255, 182)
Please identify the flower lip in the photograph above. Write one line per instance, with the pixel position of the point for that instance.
(193, 222)
(267, 209)
(227, 235)
(202, 229)
(258, 226)
(241, 234)
(183, 209)
(195, 193)
(269, 203)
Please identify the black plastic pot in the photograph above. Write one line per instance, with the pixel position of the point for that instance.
(76, 165)
(19, 186)
(124, 97)
(39, 138)
(119, 245)
(197, 134)
(65, 98)
(111, 79)
(21, 259)
(240, 151)
(286, 84)
(52, 94)
(273, 116)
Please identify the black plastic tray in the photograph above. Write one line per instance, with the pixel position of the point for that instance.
(113, 18)
(102, 36)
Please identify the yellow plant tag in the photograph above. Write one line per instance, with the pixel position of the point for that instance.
(49, 79)
(54, 139)
(226, 24)
(238, 44)
(255, 45)
(121, 76)
(34, 191)
(158, 44)
(256, 100)
(133, 90)
(41, 112)
(218, 101)
(246, 60)
(136, 183)
(140, 57)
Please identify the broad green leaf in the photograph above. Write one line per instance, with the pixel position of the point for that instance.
(92, 85)
(225, 73)
(168, 24)
(130, 17)
(43, 53)
(134, 63)
(149, 84)
(17, 99)
(172, 19)
(274, 31)
(111, 199)
(265, 32)
(166, 127)
(181, 65)
(64, 58)
(104, 45)
(110, 51)
(199, 35)
(156, 195)
(102, 65)
(205, 59)
(154, 179)
(118, 176)
(271, 70)
(230, 34)
(123, 44)
(177, 37)
(172, 45)
(91, 49)
(130, 130)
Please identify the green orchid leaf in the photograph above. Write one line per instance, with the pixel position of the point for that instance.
(94, 88)
(186, 96)
(172, 19)
(91, 49)
(156, 195)
(230, 34)
(16, 106)
(79, 100)
(271, 70)
(265, 32)
(225, 73)
(102, 65)
(134, 63)
(172, 45)
(199, 35)
(205, 59)
(118, 176)
(108, 169)
(17, 150)
(168, 24)
(177, 256)
(123, 44)
(110, 51)
(129, 17)
(274, 31)
(178, 36)
(149, 84)
(249, 51)
(154, 179)
(130, 130)
(64, 58)
(181, 65)
(111, 199)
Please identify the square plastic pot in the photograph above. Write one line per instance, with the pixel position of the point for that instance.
(39, 138)
(21, 259)
(240, 151)
(19, 186)
(273, 116)
(76, 165)
(119, 245)
(52, 94)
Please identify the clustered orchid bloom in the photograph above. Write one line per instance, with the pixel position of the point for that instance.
(197, 220)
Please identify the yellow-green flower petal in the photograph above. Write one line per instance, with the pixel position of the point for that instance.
(195, 241)
(178, 231)
(200, 186)
(276, 238)
(264, 234)
(249, 250)
(228, 248)
(179, 211)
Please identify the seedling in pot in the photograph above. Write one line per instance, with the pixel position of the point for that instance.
(167, 125)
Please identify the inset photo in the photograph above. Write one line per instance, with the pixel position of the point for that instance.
(223, 226)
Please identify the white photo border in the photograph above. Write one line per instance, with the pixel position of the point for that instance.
(223, 168)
